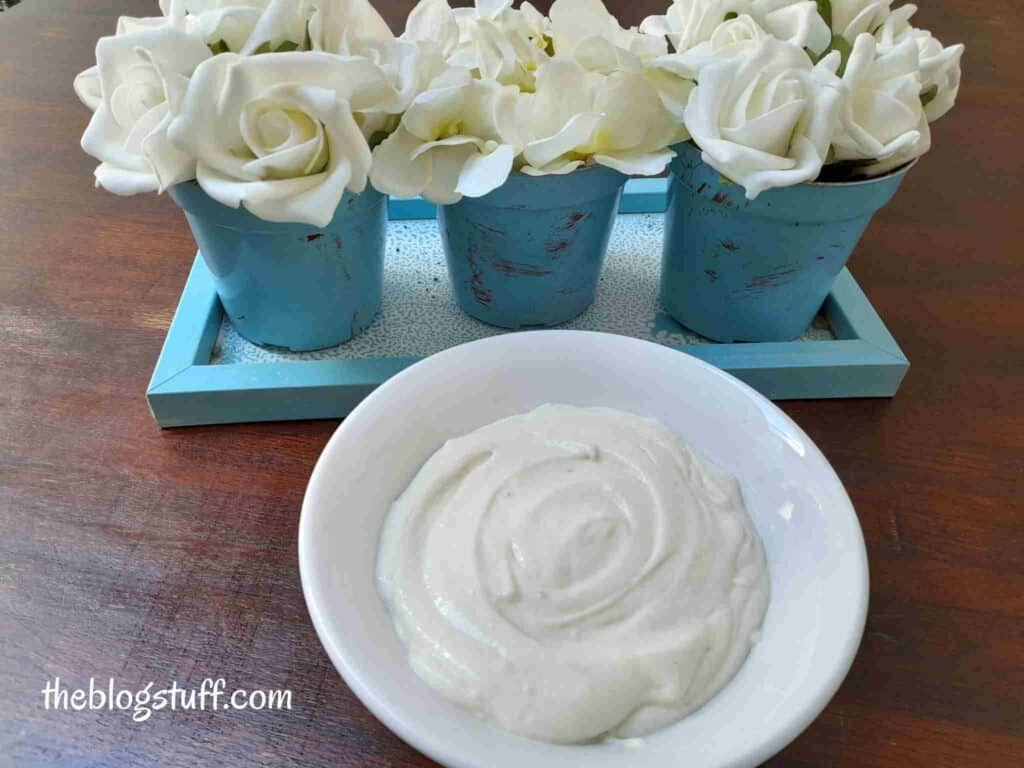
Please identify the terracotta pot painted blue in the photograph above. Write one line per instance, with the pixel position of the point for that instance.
(741, 270)
(530, 253)
(293, 286)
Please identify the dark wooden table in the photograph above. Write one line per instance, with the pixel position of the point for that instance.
(143, 555)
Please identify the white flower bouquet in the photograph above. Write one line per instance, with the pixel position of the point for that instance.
(264, 101)
(270, 104)
(284, 108)
(783, 89)
(823, 103)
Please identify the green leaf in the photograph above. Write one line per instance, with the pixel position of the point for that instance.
(307, 44)
(825, 11)
(815, 58)
(286, 47)
(840, 44)
(218, 47)
(725, 181)
(928, 94)
(730, 16)
(263, 48)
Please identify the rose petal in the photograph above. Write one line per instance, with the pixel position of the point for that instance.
(121, 181)
(87, 87)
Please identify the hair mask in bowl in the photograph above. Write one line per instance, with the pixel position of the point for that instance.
(572, 574)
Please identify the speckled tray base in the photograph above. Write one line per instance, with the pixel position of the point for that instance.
(419, 316)
(208, 374)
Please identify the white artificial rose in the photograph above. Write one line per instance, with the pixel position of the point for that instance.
(940, 65)
(793, 21)
(730, 39)
(882, 113)
(276, 132)
(454, 141)
(691, 22)
(851, 18)
(765, 118)
(578, 116)
(142, 76)
(87, 82)
(87, 87)
(585, 31)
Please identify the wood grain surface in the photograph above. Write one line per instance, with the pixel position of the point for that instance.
(143, 555)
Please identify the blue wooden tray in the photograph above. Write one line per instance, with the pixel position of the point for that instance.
(207, 374)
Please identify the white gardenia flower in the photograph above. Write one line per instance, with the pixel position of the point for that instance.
(432, 22)
(793, 21)
(585, 31)
(336, 21)
(354, 28)
(485, 10)
(500, 42)
(766, 117)
(578, 116)
(882, 114)
(455, 140)
(537, 25)
(851, 18)
(691, 22)
(276, 132)
(940, 65)
(410, 67)
(142, 76)
(504, 53)
(218, 22)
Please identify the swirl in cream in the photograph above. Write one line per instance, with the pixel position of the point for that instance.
(572, 574)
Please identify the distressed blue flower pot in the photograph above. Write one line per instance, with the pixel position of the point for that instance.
(530, 253)
(293, 286)
(741, 270)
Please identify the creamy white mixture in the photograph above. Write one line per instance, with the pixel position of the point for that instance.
(573, 574)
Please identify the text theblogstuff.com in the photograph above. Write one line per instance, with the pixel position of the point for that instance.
(211, 696)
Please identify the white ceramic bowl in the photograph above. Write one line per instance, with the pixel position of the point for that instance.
(816, 556)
